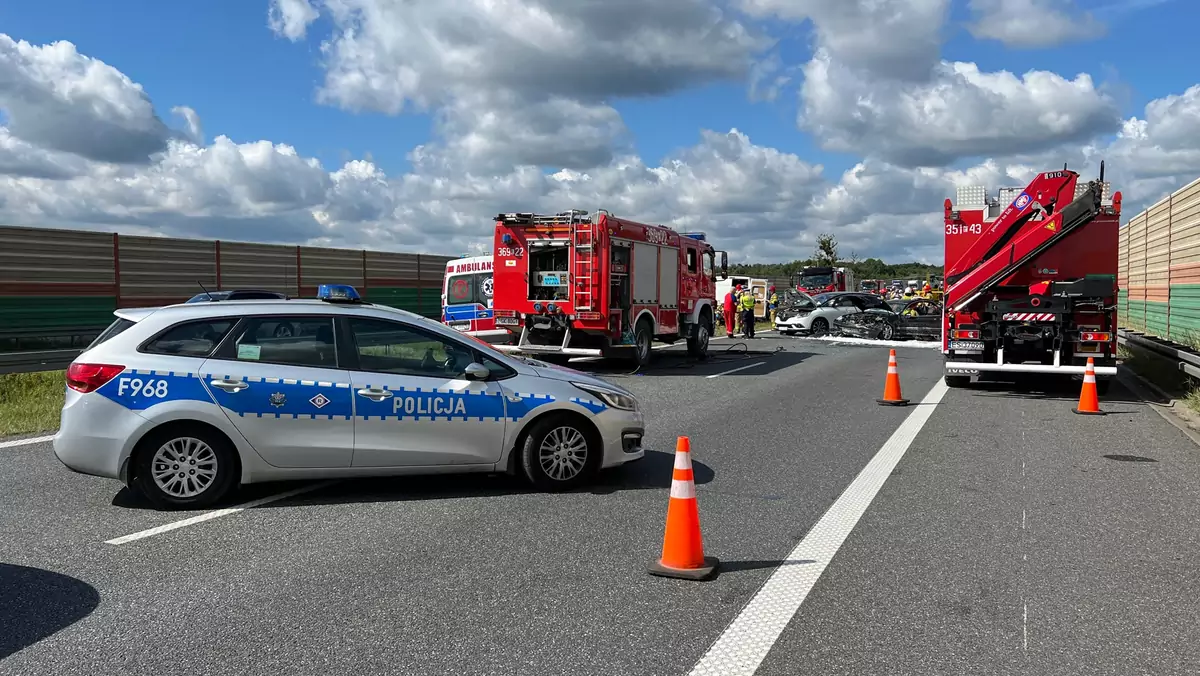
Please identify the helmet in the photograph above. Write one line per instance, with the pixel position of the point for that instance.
(908, 289)
(772, 288)
(739, 287)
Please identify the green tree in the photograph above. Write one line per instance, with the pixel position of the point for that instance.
(826, 252)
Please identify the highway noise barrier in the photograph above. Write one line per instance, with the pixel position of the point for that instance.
(1089, 401)
(683, 549)
(891, 386)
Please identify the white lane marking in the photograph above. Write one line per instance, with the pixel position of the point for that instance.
(744, 644)
(209, 516)
(26, 442)
(1025, 627)
(1022, 519)
(740, 368)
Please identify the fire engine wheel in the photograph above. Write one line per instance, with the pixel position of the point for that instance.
(697, 344)
(642, 338)
(958, 381)
(820, 327)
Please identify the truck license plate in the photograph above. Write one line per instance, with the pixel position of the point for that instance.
(508, 321)
(966, 346)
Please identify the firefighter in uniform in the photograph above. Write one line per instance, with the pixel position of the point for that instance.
(730, 312)
(737, 310)
(747, 306)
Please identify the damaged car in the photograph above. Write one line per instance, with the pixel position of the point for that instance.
(919, 319)
(826, 308)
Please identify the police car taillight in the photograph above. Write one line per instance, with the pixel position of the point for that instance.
(91, 377)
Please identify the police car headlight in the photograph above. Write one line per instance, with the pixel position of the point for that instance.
(613, 399)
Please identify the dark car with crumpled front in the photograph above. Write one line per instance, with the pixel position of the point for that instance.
(919, 319)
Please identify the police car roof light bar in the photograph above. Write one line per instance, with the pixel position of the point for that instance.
(338, 293)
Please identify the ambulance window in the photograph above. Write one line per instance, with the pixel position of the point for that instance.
(692, 265)
(392, 347)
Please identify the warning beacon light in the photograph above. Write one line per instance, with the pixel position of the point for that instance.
(338, 293)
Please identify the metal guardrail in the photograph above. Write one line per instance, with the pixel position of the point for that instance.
(1189, 362)
(30, 362)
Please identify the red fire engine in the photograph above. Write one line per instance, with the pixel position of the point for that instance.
(572, 284)
(821, 279)
(1031, 282)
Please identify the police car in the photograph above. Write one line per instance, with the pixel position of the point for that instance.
(184, 403)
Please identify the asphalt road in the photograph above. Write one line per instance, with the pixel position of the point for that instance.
(1011, 537)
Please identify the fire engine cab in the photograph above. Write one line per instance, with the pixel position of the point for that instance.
(574, 284)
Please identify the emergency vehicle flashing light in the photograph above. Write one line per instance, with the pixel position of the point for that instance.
(338, 293)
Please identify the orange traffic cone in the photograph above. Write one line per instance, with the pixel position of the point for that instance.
(891, 387)
(683, 551)
(1089, 401)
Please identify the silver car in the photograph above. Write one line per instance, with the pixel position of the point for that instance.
(817, 318)
(184, 403)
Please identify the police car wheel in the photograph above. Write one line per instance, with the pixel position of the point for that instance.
(559, 453)
(184, 467)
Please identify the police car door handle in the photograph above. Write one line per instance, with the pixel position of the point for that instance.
(374, 394)
(229, 385)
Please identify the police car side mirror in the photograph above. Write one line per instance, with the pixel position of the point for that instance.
(477, 371)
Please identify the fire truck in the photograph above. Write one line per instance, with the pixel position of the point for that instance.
(574, 284)
(820, 279)
(1031, 279)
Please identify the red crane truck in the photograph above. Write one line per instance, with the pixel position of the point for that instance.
(574, 284)
(1031, 280)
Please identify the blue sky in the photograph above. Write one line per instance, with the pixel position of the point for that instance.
(249, 83)
(221, 59)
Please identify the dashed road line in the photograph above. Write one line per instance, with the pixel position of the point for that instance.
(209, 516)
(26, 442)
(740, 368)
(744, 644)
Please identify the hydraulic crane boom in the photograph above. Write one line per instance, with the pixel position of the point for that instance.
(1041, 196)
(1032, 239)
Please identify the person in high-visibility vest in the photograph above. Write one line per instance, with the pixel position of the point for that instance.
(746, 303)
(773, 302)
(737, 310)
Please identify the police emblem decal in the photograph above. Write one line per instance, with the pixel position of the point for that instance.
(319, 401)
(278, 400)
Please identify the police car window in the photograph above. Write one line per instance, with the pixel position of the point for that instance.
(295, 341)
(190, 339)
(112, 330)
(392, 347)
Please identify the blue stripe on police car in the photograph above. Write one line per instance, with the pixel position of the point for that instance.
(138, 390)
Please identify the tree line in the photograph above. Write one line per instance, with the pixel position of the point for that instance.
(826, 253)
